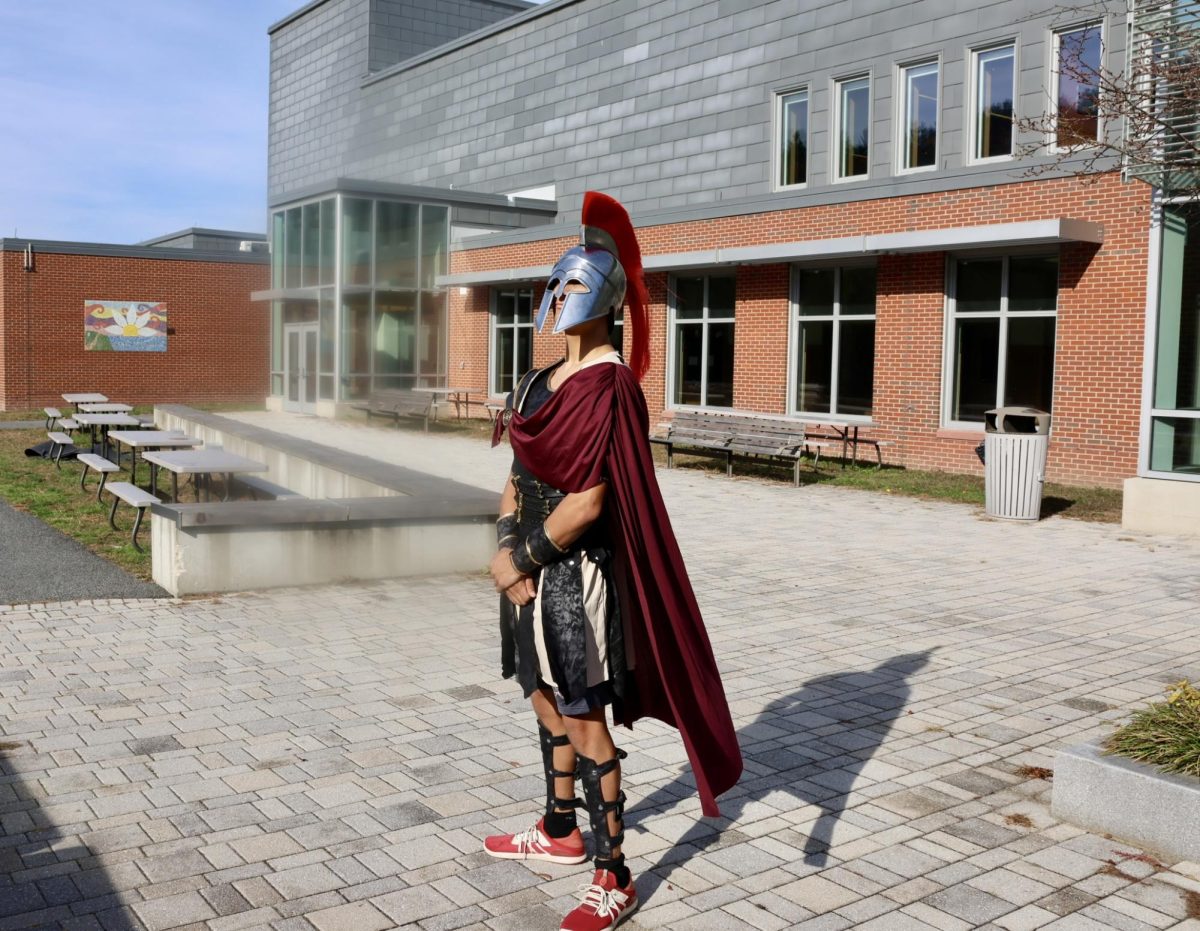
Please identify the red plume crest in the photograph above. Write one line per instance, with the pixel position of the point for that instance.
(603, 212)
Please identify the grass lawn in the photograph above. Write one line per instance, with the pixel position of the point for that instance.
(53, 495)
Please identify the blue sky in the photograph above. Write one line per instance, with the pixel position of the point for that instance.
(121, 120)
(125, 119)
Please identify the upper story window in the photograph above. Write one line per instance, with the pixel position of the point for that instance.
(302, 245)
(702, 312)
(852, 117)
(1078, 54)
(919, 116)
(792, 121)
(992, 111)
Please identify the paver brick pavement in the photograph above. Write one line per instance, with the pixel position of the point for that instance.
(331, 757)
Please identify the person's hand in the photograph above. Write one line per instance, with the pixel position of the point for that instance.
(504, 573)
(522, 593)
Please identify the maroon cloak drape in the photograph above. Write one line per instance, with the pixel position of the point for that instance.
(593, 429)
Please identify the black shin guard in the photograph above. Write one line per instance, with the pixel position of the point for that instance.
(591, 774)
(557, 823)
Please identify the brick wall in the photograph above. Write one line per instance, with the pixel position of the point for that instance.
(217, 350)
(1101, 313)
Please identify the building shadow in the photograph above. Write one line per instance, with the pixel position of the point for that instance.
(49, 879)
(805, 748)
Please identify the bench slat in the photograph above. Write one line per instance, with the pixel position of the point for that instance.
(131, 494)
(99, 463)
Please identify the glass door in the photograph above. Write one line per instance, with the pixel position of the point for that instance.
(300, 361)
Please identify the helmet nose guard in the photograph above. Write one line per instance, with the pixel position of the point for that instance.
(599, 271)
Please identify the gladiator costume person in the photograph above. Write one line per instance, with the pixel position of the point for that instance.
(596, 607)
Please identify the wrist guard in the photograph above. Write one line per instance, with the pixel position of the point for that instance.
(506, 532)
(537, 550)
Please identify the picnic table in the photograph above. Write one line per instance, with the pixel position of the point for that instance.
(84, 397)
(201, 464)
(460, 397)
(844, 431)
(104, 407)
(105, 422)
(148, 440)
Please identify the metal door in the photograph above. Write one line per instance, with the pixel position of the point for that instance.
(300, 367)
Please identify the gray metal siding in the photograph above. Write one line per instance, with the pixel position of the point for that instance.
(667, 104)
(400, 29)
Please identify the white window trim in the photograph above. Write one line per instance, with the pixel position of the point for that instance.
(900, 110)
(703, 321)
(1150, 349)
(974, 117)
(1056, 35)
(949, 333)
(493, 325)
(794, 320)
(836, 136)
(777, 138)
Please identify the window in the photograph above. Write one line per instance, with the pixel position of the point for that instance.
(793, 138)
(1175, 412)
(356, 241)
(1076, 94)
(702, 310)
(853, 121)
(512, 338)
(1003, 314)
(919, 119)
(994, 73)
(833, 340)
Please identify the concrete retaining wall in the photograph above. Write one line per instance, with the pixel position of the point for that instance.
(1129, 800)
(1158, 505)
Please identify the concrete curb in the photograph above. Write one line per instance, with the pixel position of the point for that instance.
(1129, 800)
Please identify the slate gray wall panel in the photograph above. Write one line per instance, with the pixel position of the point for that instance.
(667, 104)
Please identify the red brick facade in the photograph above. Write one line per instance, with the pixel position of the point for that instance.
(217, 349)
(1098, 345)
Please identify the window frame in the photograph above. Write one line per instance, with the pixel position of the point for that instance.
(974, 115)
(835, 175)
(794, 321)
(494, 324)
(703, 321)
(1052, 144)
(901, 111)
(949, 331)
(777, 111)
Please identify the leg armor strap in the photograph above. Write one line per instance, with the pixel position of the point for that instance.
(549, 742)
(590, 774)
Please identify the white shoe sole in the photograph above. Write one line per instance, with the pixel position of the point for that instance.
(544, 857)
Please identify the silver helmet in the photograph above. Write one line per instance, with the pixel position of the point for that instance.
(594, 265)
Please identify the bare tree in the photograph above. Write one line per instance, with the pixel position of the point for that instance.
(1143, 116)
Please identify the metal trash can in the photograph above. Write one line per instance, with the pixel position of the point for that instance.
(1014, 466)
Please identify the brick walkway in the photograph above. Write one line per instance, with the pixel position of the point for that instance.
(330, 758)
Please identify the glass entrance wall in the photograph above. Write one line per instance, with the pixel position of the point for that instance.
(369, 266)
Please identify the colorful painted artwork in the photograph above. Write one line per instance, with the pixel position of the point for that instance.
(124, 326)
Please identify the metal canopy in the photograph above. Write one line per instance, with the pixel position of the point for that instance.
(1029, 233)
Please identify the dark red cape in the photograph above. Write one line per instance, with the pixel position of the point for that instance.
(595, 428)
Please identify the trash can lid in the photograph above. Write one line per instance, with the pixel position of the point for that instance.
(1017, 420)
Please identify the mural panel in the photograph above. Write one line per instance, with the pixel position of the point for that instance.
(125, 326)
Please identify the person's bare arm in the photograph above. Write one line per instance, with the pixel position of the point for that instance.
(578, 511)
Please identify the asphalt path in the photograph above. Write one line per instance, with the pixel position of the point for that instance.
(38, 563)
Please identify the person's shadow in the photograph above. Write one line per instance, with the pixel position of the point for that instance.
(810, 745)
(29, 840)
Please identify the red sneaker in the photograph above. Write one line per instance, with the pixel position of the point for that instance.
(605, 904)
(536, 844)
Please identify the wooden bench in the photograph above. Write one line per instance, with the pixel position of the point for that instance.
(98, 464)
(749, 435)
(135, 497)
(53, 414)
(58, 441)
(397, 403)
